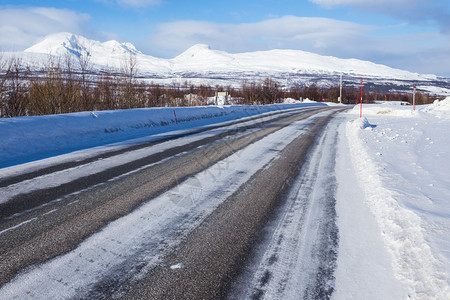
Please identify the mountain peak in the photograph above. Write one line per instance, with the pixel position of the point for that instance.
(203, 56)
(64, 43)
(58, 44)
(196, 50)
(200, 47)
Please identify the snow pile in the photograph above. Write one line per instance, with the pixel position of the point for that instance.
(402, 167)
(439, 107)
(393, 108)
(29, 138)
(402, 109)
(177, 266)
(361, 123)
(336, 104)
(291, 100)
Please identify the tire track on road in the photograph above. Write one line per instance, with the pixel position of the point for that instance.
(79, 216)
(296, 258)
(35, 199)
(213, 254)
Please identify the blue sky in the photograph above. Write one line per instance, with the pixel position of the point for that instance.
(409, 34)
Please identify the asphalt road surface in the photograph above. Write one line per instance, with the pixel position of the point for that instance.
(208, 214)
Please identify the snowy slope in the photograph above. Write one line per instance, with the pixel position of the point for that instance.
(200, 58)
(202, 61)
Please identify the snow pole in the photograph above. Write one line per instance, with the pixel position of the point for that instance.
(360, 111)
(176, 122)
(414, 98)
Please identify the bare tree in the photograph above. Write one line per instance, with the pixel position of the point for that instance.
(16, 84)
(129, 70)
(5, 70)
(84, 59)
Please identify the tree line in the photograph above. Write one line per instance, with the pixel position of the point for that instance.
(68, 84)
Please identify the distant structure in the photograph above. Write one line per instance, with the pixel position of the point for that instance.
(220, 99)
(291, 100)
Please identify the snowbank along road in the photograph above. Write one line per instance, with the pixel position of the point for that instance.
(243, 210)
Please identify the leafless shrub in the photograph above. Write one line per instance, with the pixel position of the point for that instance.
(14, 90)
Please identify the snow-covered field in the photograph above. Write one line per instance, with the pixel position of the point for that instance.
(401, 161)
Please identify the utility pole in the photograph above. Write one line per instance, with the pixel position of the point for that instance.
(360, 111)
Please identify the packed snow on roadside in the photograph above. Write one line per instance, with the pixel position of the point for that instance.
(25, 139)
(401, 160)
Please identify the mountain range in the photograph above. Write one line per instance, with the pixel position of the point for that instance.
(201, 64)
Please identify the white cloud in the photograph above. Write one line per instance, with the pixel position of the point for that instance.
(132, 3)
(21, 28)
(311, 34)
(430, 52)
(333, 3)
(138, 3)
(435, 12)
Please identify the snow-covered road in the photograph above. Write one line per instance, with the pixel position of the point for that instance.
(366, 217)
(123, 250)
(297, 257)
(140, 239)
(100, 164)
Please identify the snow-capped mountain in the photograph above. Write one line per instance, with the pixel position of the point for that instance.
(200, 64)
(61, 44)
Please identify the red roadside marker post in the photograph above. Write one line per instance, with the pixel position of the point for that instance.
(175, 115)
(360, 111)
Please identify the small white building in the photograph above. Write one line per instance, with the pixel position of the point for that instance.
(220, 99)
